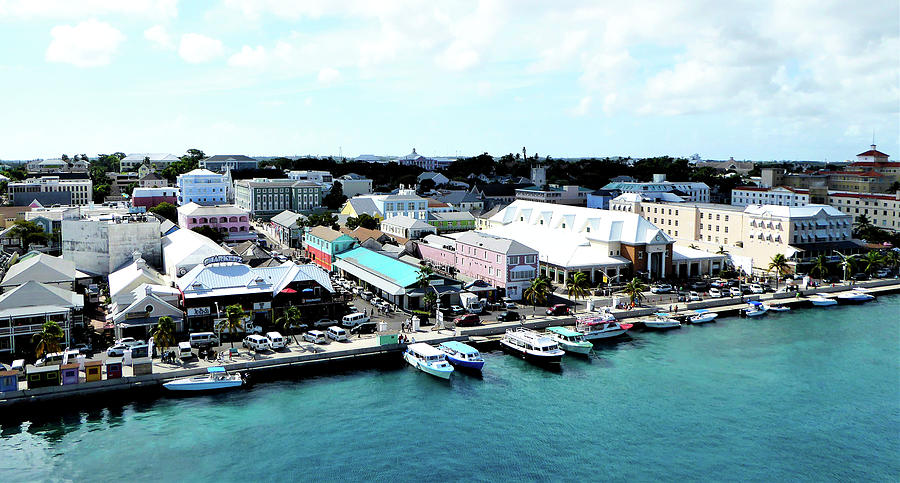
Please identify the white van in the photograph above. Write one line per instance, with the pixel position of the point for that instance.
(354, 319)
(276, 341)
(315, 336)
(56, 358)
(198, 338)
(185, 351)
(256, 342)
(336, 334)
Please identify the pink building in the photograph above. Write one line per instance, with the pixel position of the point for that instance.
(151, 197)
(503, 263)
(228, 219)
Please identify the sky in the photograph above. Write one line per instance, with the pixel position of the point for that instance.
(760, 80)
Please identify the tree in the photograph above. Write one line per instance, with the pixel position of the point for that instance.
(892, 258)
(289, 320)
(164, 333)
(862, 225)
(894, 187)
(536, 293)
(424, 277)
(820, 267)
(166, 210)
(848, 263)
(872, 261)
(364, 220)
(101, 191)
(233, 321)
(30, 233)
(335, 198)
(780, 264)
(430, 299)
(426, 185)
(576, 286)
(47, 340)
(635, 290)
(210, 233)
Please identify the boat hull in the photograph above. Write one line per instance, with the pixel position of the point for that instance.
(854, 299)
(437, 372)
(704, 319)
(530, 357)
(824, 303)
(754, 313)
(576, 348)
(463, 364)
(185, 385)
(660, 326)
(606, 334)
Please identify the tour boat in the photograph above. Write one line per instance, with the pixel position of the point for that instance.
(854, 297)
(531, 346)
(778, 308)
(661, 321)
(428, 359)
(462, 355)
(215, 379)
(820, 301)
(703, 316)
(599, 327)
(755, 309)
(570, 341)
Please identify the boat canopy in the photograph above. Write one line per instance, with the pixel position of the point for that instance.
(424, 349)
(754, 302)
(563, 331)
(701, 311)
(460, 347)
(215, 369)
(661, 314)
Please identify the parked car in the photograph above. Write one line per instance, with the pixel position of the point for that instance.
(365, 328)
(859, 277)
(324, 323)
(276, 340)
(715, 292)
(757, 288)
(883, 273)
(256, 342)
(700, 285)
(126, 341)
(315, 336)
(558, 309)
(718, 283)
(683, 296)
(507, 303)
(508, 316)
(336, 334)
(118, 350)
(354, 319)
(83, 348)
(734, 292)
(56, 358)
(467, 320)
(455, 310)
(694, 297)
(661, 288)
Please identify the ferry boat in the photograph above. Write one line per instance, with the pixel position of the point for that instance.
(598, 327)
(755, 309)
(702, 316)
(216, 378)
(854, 297)
(531, 346)
(661, 321)
(820, 301)
(570, 341)
(428, 359)
(462, 355)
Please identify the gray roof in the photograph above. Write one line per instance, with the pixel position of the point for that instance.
(403, 198)
(40, 268)
(365, 205)
(451, 216)
(287, 218)
(154, 157)
(353, 176)
(33, 297)
(458, 196)
(151, 176)
(494, 243)
(406, 222)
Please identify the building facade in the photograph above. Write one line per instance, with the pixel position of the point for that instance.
(51, 190)
(221, 163)
(203, 187)
(355, 185)
(150, 197)
(322, 244)
(779, 196)
(693, 191)
(100, 244)
(565, 195)
(158, 160)
(230, 220)
(406, 227)
(264, 198)
(452, 221)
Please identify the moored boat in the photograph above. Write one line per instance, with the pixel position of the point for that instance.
(428, 360)
(755, 309)
(216, 378)
(702, 316)
(854, 297)
(661, 321)
(820, 301)
(778, 308)
(599, 327)
(531, 346)
(570, 341)
(462, 355)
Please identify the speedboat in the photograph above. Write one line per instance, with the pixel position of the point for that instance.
(531, 346)
(702, 316)
(599, 327)
(462, 355)
(428, 359)
(820, 301)
(854, 297)
(570, 341)
(661, 321)
(778, 308)
(216, 378)
(755, 309)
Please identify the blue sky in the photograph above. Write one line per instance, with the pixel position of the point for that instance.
(753, 80)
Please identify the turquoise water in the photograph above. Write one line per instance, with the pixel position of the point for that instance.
(810, 395)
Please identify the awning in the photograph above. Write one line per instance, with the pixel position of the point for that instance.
(288, 290)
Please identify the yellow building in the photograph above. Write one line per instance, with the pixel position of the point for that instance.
(360, 205)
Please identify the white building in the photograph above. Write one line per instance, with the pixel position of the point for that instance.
(354, 185)
(322, 178)
(101, 244)
(779, 196)
(57, 166)
(406, 227)
(158, 160)
(51, 190)
(183, 250)
(203, 187)
(695, 192)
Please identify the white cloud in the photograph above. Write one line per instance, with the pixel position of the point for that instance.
(159, 37)
(26, 9)
(329, 76)
(88, 44)
(582, 108)
(249, 57)
(197, 48)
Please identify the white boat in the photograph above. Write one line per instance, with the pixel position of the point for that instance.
(531, 346)
(428, 359)
(820, 301)
(598, 327)
(854, 297)
(661, 321)
(215, 379)
(778, 308)
(755, 309)
(703, 316)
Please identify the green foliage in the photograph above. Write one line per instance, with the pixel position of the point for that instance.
(577, 286)
(164, 333)
(234, 320)
(537, 292)
(47, 340)
(101, 191)
(188, 162)
(635, 290)
(166, 210)
(30, 233)
(334, 199)
(780, 265)
(364, 220)
(424, 277)
(820, 267)
(324, 219)
(872, 261)
(210, 233)
(290, 319)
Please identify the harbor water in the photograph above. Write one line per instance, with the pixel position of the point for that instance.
(810, 395)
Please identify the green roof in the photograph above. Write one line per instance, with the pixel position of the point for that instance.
(400, 273)
(563, 331)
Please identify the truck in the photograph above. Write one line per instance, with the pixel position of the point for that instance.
(470, 302)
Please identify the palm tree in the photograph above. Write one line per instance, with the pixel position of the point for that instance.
(780, 264)
(848, 263)
(164, 333)
(892, 258)
(536, 293)
(862, 224)
(721, 251)
(289, 320)
(635, 290)
(820, 267)
(872, 261)
(234, 320)
(430, 300)
(576, 286)
(47, 340)
(693, 245)
(425, 274)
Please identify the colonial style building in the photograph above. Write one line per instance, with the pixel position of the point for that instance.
(228, 162)
(264, 198)
(231, 221)
(203, 187)
(322, 244)
(51, 190)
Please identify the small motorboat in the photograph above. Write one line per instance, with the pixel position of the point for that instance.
(428, 359)
(820, 301)
(570, 341)
(702, 316)
(755, 309)
(216, 378)
(462, 355)
(854, 297)
(599, 327)
(778, 308)
(661, 321)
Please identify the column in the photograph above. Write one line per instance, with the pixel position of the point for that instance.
(710, 267)
(649, 263)
(663, 267)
